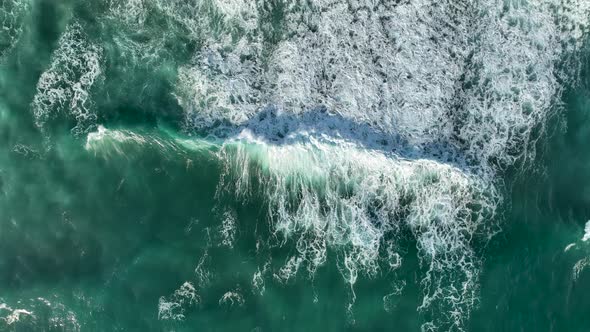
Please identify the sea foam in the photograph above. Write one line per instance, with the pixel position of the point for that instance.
(364, 119)
(64, 88)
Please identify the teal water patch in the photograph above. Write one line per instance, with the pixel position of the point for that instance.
(263, 165)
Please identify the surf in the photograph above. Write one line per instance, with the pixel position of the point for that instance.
(356, 121)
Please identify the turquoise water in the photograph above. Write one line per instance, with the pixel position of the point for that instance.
(236, 165)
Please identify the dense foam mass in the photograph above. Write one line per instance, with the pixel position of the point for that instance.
(361, 120)
(489, 81)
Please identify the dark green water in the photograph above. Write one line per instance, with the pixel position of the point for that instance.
(294, 166)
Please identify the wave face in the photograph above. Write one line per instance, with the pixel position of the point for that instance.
(361, 127)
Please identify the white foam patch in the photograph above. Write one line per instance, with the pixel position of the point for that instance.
(244, 12)
(130, 11)
(56, 316)
(199, 20)
(586, 236)
(175, 306)
(231, 299)
(64, 88)
(12, 16)
(222, 82)
(133, 52)
(228, 229)
(258, 283)
(390, 300)
(583, 263)
(14, 314)
(513, 81)
(575, 23)
(579, 267)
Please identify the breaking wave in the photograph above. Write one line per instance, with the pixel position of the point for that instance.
(356, 121)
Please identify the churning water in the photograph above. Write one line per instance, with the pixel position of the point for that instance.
(268, 165)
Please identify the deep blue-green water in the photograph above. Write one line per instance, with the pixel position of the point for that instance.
(269, 165)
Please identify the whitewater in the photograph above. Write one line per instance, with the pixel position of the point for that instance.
(362, 126)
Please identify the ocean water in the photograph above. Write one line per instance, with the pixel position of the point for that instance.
(269, 165)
